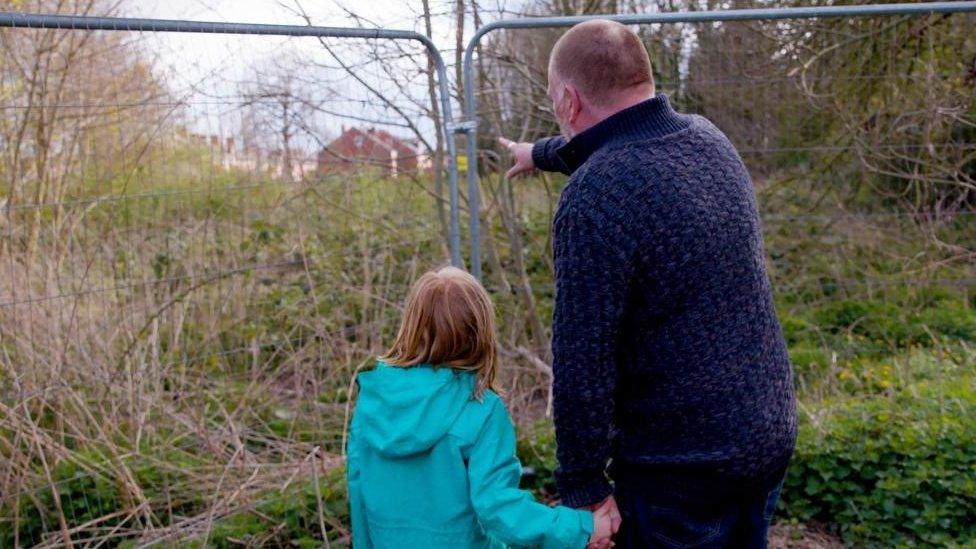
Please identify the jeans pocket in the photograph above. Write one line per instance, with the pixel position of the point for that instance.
(680, 528)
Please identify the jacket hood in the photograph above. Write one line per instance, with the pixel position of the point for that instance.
(406, 411)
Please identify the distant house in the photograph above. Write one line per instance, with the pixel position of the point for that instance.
(357, 148)
(297, 165)
(294, 165)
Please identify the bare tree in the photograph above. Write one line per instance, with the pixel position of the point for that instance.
(69, 91)
(281, 107)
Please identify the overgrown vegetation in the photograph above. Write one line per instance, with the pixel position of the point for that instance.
(221, 449)
(179, 334)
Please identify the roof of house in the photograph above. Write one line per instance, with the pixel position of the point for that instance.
(381, 138)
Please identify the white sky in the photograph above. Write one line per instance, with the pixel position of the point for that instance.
(326, 12)
(214, 65)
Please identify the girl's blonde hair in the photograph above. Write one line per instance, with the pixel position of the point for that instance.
(448, 320)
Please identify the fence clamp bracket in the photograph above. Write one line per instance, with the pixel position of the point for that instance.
(462, 127)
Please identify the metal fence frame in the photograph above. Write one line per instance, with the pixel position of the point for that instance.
(70, 22)
(469, 125)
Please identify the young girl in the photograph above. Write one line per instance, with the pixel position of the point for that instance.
(431, 457)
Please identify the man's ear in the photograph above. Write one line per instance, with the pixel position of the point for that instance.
(575, 106)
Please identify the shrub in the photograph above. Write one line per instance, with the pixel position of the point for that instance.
(797, 330)
(951, 320)
(875, 320)
(809, 361)
(890, 471)
(871, 323)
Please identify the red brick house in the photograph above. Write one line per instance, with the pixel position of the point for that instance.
(359, 148)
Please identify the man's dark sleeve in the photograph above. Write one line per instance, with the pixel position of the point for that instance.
(591, 285)
(544, 155)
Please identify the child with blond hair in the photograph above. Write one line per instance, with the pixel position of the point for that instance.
(431, 457)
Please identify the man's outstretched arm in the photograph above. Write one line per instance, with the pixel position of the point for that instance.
(540, 155)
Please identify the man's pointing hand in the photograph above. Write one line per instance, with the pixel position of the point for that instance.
(523, 157)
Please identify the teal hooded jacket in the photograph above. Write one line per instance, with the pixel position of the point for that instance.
(428, 466)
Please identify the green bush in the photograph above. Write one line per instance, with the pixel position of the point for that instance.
(798, 330)
(877, 328)
(809, 361)
(951, 320)
(875, 320)
(890, 471)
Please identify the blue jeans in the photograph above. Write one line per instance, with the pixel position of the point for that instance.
(653, 519)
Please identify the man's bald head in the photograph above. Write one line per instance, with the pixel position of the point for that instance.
(602, 59)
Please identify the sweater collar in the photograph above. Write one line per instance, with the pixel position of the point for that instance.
(649, 119)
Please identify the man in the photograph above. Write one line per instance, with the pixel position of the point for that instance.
(667, 354)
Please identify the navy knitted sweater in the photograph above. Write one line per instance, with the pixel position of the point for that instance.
(667, 353)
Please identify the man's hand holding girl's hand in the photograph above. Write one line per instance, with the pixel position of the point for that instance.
(606, 522)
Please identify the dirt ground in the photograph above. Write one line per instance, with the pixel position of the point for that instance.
(783, 536)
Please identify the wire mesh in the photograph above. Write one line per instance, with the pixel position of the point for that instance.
(852, 128)
(203, 237)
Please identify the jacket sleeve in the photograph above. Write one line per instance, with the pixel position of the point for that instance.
(544, 155)
(591, 286)
(357, 508)
(507, 513)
